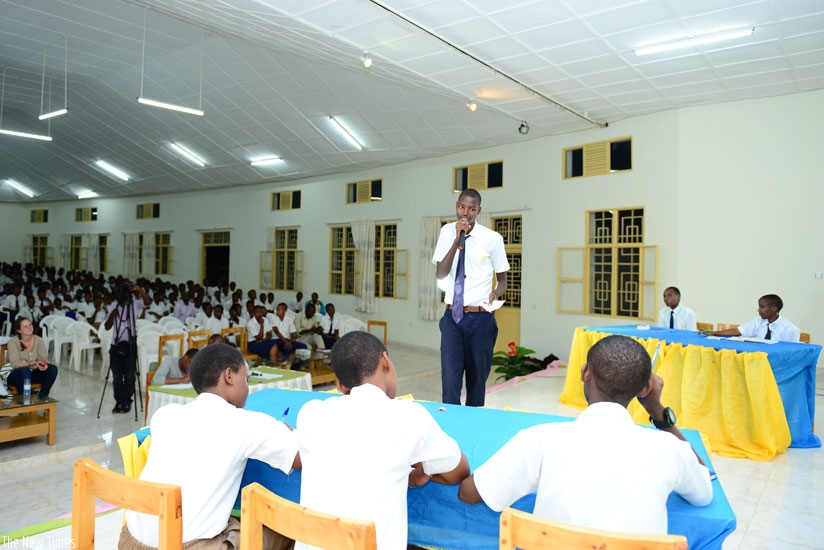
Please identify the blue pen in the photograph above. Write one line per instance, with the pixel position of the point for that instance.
(286, 412)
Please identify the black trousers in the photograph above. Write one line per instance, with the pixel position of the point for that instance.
(123, 374)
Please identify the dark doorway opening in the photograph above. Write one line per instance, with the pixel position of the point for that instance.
(217, 266)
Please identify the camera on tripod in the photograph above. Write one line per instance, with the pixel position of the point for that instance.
(126, 295)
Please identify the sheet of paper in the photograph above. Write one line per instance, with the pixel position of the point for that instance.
(753, 340)
(187, 386)
(265, 375)
(496, 304)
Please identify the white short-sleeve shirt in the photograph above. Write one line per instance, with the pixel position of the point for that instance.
(781, 329)
(600, 471)
(484, 256)
(357, 451)
(683, 318)
(253, 327)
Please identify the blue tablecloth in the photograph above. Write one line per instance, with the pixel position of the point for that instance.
(438, 518)
(793, 365)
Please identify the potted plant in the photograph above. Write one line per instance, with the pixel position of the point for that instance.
(515, 362)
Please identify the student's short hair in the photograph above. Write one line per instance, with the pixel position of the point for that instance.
(329, 305)
(773, 300)
(620, 368)
(472, 194)
(282, 304)
(190, 353)
(674, 289)
(216, 338)
(210, 362)
(355, 357)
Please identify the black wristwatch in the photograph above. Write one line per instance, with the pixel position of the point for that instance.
(668, 422)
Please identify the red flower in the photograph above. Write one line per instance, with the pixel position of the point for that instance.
(512, 350)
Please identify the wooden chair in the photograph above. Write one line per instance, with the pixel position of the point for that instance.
(169, 338)
(523, 530)
(371, 323)
(805, 337)
(198, 338)
(242, 342)
(92, 480)
(725, 326)
(149, 378)
(704, 326)
(259, 507)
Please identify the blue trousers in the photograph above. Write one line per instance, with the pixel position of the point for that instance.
(45, 377)
(467, 348)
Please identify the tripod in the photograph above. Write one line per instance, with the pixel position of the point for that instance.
(131, 360)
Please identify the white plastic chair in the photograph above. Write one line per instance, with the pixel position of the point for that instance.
(350, 325)
(191, 323)
(143, 323)
(84, 339)
(171, 324)
(6, 329)
(61, 336)
(147, 352)
(47, 328)
(151, 329)
(105, 337)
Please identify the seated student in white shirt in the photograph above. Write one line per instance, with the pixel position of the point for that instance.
(601, 471)
(203, 447)
(284, 332)
(768, 325)
(174, 370)
(217, 321)
(330, 324)
(296, 305)
(158, 309)
(58, 308)
(676, 315)
(360, 451)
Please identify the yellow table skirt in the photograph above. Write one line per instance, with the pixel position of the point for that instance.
(730, 397)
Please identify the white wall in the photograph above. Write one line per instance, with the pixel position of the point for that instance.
(729, 193)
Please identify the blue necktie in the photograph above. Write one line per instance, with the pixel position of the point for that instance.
(458, 297)
(672, 318)
(769, 332)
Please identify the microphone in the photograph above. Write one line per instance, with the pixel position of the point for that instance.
(463, 240)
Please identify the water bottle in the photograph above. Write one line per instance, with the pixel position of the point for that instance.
(27, 386)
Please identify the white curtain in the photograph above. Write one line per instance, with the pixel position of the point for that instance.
(28, 249)
(363, 234)
(429, 295)
(149, 255)
(131, 250)
(94, 253)
(64, 252)
(484, 219)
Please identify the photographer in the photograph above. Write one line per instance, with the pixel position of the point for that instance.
(122, 316)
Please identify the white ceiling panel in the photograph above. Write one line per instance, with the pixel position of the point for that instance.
(274, 70)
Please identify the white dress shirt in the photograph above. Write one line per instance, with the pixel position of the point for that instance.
(600, 471)
(683, 318)
(329, 324)
(253, 327)
(357, 451)
(781, 329)
(286, 326)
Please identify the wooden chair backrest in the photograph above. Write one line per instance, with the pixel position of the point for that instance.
(725, 326)
(198, 338)
(179, 337)
(805, 337)
(372, 323)
(92, 480)
(149, 378)
(260, 507)
(242, 341)
(4, 348)
(527, 531)
(704, 326)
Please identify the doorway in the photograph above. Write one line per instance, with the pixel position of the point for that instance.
(509, 316)
(215, 259)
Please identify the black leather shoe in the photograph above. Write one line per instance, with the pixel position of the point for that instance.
(120, 408)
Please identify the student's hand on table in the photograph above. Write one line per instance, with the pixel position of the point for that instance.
(417, 477)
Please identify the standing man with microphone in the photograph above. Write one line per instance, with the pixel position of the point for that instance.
(467, 255)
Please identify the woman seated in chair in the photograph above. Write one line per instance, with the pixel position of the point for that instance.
(27, 356)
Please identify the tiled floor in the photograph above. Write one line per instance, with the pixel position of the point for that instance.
(778, 504)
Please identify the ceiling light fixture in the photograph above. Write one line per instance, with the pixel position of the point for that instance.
(345, 133)
(163, 104)
(366, 59)
(65, 109)
(20, 188)
(188, 154)
(472, 106)
(694, 41)
(523, 128)
(87, 195)
(266, 161)
(112, 170)
(12, 132)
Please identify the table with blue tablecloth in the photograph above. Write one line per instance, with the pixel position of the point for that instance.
(438, 519)
(750, 399)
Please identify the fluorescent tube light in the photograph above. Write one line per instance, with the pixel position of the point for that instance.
(53, 114)
(170, 106)
(20, 188)
(267, 161)
(87, 195)
(112, 170)
(188, 154)
(345, 133)
(25, 135)
(695, 41)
